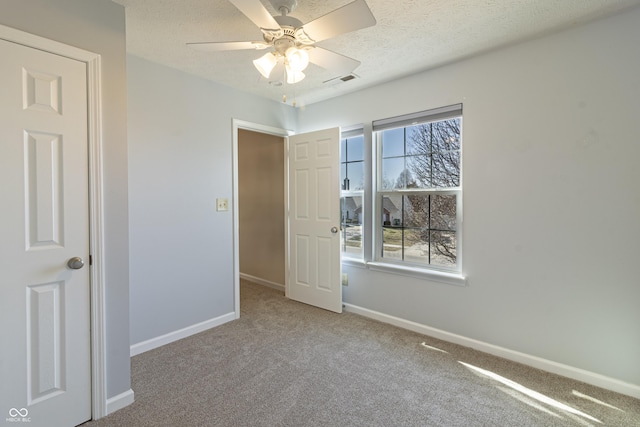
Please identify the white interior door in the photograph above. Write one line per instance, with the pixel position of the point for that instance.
(314, 219)
(45, 365)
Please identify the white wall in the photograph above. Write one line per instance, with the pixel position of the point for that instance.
(180, 161)
(98, 26)
(551, 197)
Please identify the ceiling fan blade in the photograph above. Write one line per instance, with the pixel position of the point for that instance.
(222, 46)
(257, 13)
(351, 17)
(339, 65)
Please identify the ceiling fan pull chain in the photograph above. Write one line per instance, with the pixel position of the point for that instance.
(284, 86)
(294, 97)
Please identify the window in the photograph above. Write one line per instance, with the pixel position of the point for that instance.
(418, 199)
(352, 179)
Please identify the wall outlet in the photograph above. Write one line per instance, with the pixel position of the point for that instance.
(345, 279)
(222, 205)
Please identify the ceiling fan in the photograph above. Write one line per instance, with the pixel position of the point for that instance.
(292, 43)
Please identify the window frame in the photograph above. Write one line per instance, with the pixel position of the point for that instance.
(446, 274)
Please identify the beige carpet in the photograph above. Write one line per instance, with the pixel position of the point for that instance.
(288, 364)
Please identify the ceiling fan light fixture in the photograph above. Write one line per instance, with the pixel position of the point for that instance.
(294, 76)
(265, 64)
(298, 59)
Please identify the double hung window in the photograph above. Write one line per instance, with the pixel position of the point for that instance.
(418, 189)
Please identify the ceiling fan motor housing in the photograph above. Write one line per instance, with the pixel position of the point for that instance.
(290, 34)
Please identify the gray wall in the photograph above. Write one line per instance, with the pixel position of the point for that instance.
(98, 26)
(551, 197)
(261, 200)
(180, 161)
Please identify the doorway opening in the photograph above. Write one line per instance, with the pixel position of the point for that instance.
(261, 208)
(259, 216)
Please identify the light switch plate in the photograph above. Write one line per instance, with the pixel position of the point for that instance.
(222, 205)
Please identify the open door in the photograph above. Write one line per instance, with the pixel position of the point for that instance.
(314, 219)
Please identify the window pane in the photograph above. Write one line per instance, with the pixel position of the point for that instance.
(343, 150)
(355, 149)
(355, 175)
(419, 172)
(392, 243)
(419, 139)
(392, 234)
(393, 142)
(443, 213)
(445, 169)
(343, 176)
(445, 135)
(352, 225)
(392, 176)
(435, 136)
(420, 228)
(392, 210)
(439, 143)
(416, 249)
(442, 231)
(443, 248)
(416, 211)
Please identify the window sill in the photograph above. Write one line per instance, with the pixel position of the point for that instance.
(353, 262)
(420, 273)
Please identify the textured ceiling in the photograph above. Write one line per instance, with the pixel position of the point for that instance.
(410, 36)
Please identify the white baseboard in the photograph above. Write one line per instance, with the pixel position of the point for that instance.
(263, 282)
(119, 401)
(526, 359)
(156, 342)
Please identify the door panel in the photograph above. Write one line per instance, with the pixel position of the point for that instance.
(44, 304)
(314, 244)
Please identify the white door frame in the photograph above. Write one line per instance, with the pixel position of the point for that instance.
(96, 213)
(237, 125)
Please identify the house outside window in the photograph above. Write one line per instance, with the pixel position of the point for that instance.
(419, 193)
(352, 192)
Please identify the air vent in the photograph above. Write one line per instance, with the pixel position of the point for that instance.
(342, 79)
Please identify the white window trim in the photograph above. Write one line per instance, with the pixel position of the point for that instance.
(450, 278)
(371, 220)
(420, 273)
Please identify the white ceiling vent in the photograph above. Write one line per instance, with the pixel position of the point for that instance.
(339, 80)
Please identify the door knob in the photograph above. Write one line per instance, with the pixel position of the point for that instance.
(75, 263)
(334, 230)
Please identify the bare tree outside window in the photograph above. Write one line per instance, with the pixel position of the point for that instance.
(435, 150)
(425, 224)
(434, 153)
